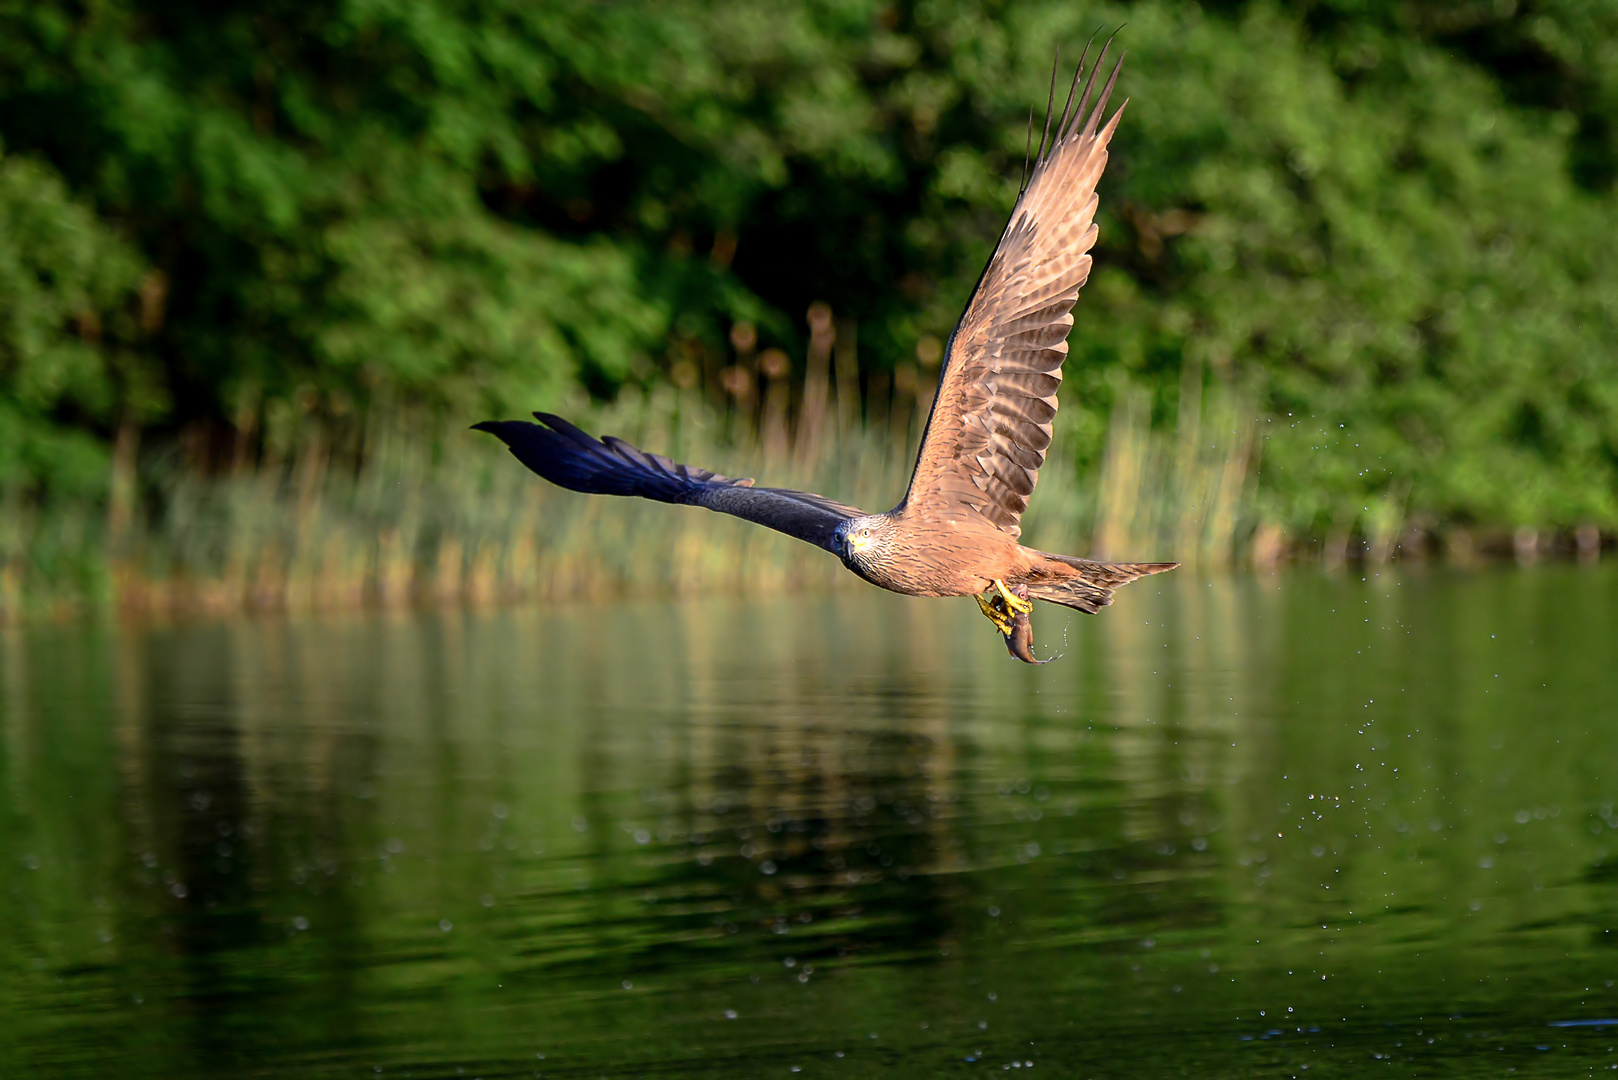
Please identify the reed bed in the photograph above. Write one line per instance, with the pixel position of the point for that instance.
(411, 510)
(446, 516)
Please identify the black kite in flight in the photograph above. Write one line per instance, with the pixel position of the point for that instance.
(955, 531)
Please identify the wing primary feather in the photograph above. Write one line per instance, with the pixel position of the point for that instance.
(1077, 72)
(1084, 110)
(1027, 154)
(1089, 86)
(1106, 94)
(1050, 102)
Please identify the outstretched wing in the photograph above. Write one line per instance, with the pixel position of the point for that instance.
(991, 418)
(566, 456)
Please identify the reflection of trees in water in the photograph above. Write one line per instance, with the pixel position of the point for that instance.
(802, 811)
(893, 813)
(235, 844)
(832, 843)
(828, 811)
(705, 791)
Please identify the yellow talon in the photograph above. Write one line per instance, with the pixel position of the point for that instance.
(995, 615)
(1013, 601)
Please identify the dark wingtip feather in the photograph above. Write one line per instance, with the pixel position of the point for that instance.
(1050, 104)
(1027, 153)
(566, 429)
(1093, 120)
(1078, 72)
(504, 430)
(572, 458)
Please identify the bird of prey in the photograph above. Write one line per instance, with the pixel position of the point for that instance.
(954, 533)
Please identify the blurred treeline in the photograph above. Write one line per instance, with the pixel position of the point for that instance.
(261, 264)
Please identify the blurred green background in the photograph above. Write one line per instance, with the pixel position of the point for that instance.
(1356, 294)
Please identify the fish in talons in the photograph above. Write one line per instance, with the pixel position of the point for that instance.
(1017, 625)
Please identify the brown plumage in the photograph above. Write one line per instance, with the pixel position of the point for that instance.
(955, 531)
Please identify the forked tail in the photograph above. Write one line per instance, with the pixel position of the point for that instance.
(1083, 584)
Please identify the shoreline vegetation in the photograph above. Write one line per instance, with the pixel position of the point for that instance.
(409, 514)
(261, 265)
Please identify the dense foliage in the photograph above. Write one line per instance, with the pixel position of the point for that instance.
(1382, 225)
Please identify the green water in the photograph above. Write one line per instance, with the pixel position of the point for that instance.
(1286, 826)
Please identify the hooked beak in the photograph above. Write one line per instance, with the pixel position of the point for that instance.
(854, 543)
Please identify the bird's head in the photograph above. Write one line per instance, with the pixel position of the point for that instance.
(858, 541)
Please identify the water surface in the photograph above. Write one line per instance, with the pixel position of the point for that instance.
(1288, 826)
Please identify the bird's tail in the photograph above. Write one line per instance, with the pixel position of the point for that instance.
(1083, 583)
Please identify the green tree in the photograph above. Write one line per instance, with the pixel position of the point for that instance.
(1378, 226)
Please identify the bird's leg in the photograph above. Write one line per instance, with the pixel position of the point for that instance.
(1016, 603)
(993, 609)
(1009, 609)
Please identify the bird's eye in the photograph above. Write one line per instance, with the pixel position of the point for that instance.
(865, 533)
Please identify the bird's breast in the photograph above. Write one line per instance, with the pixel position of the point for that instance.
(941, 557)
(928, 572)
